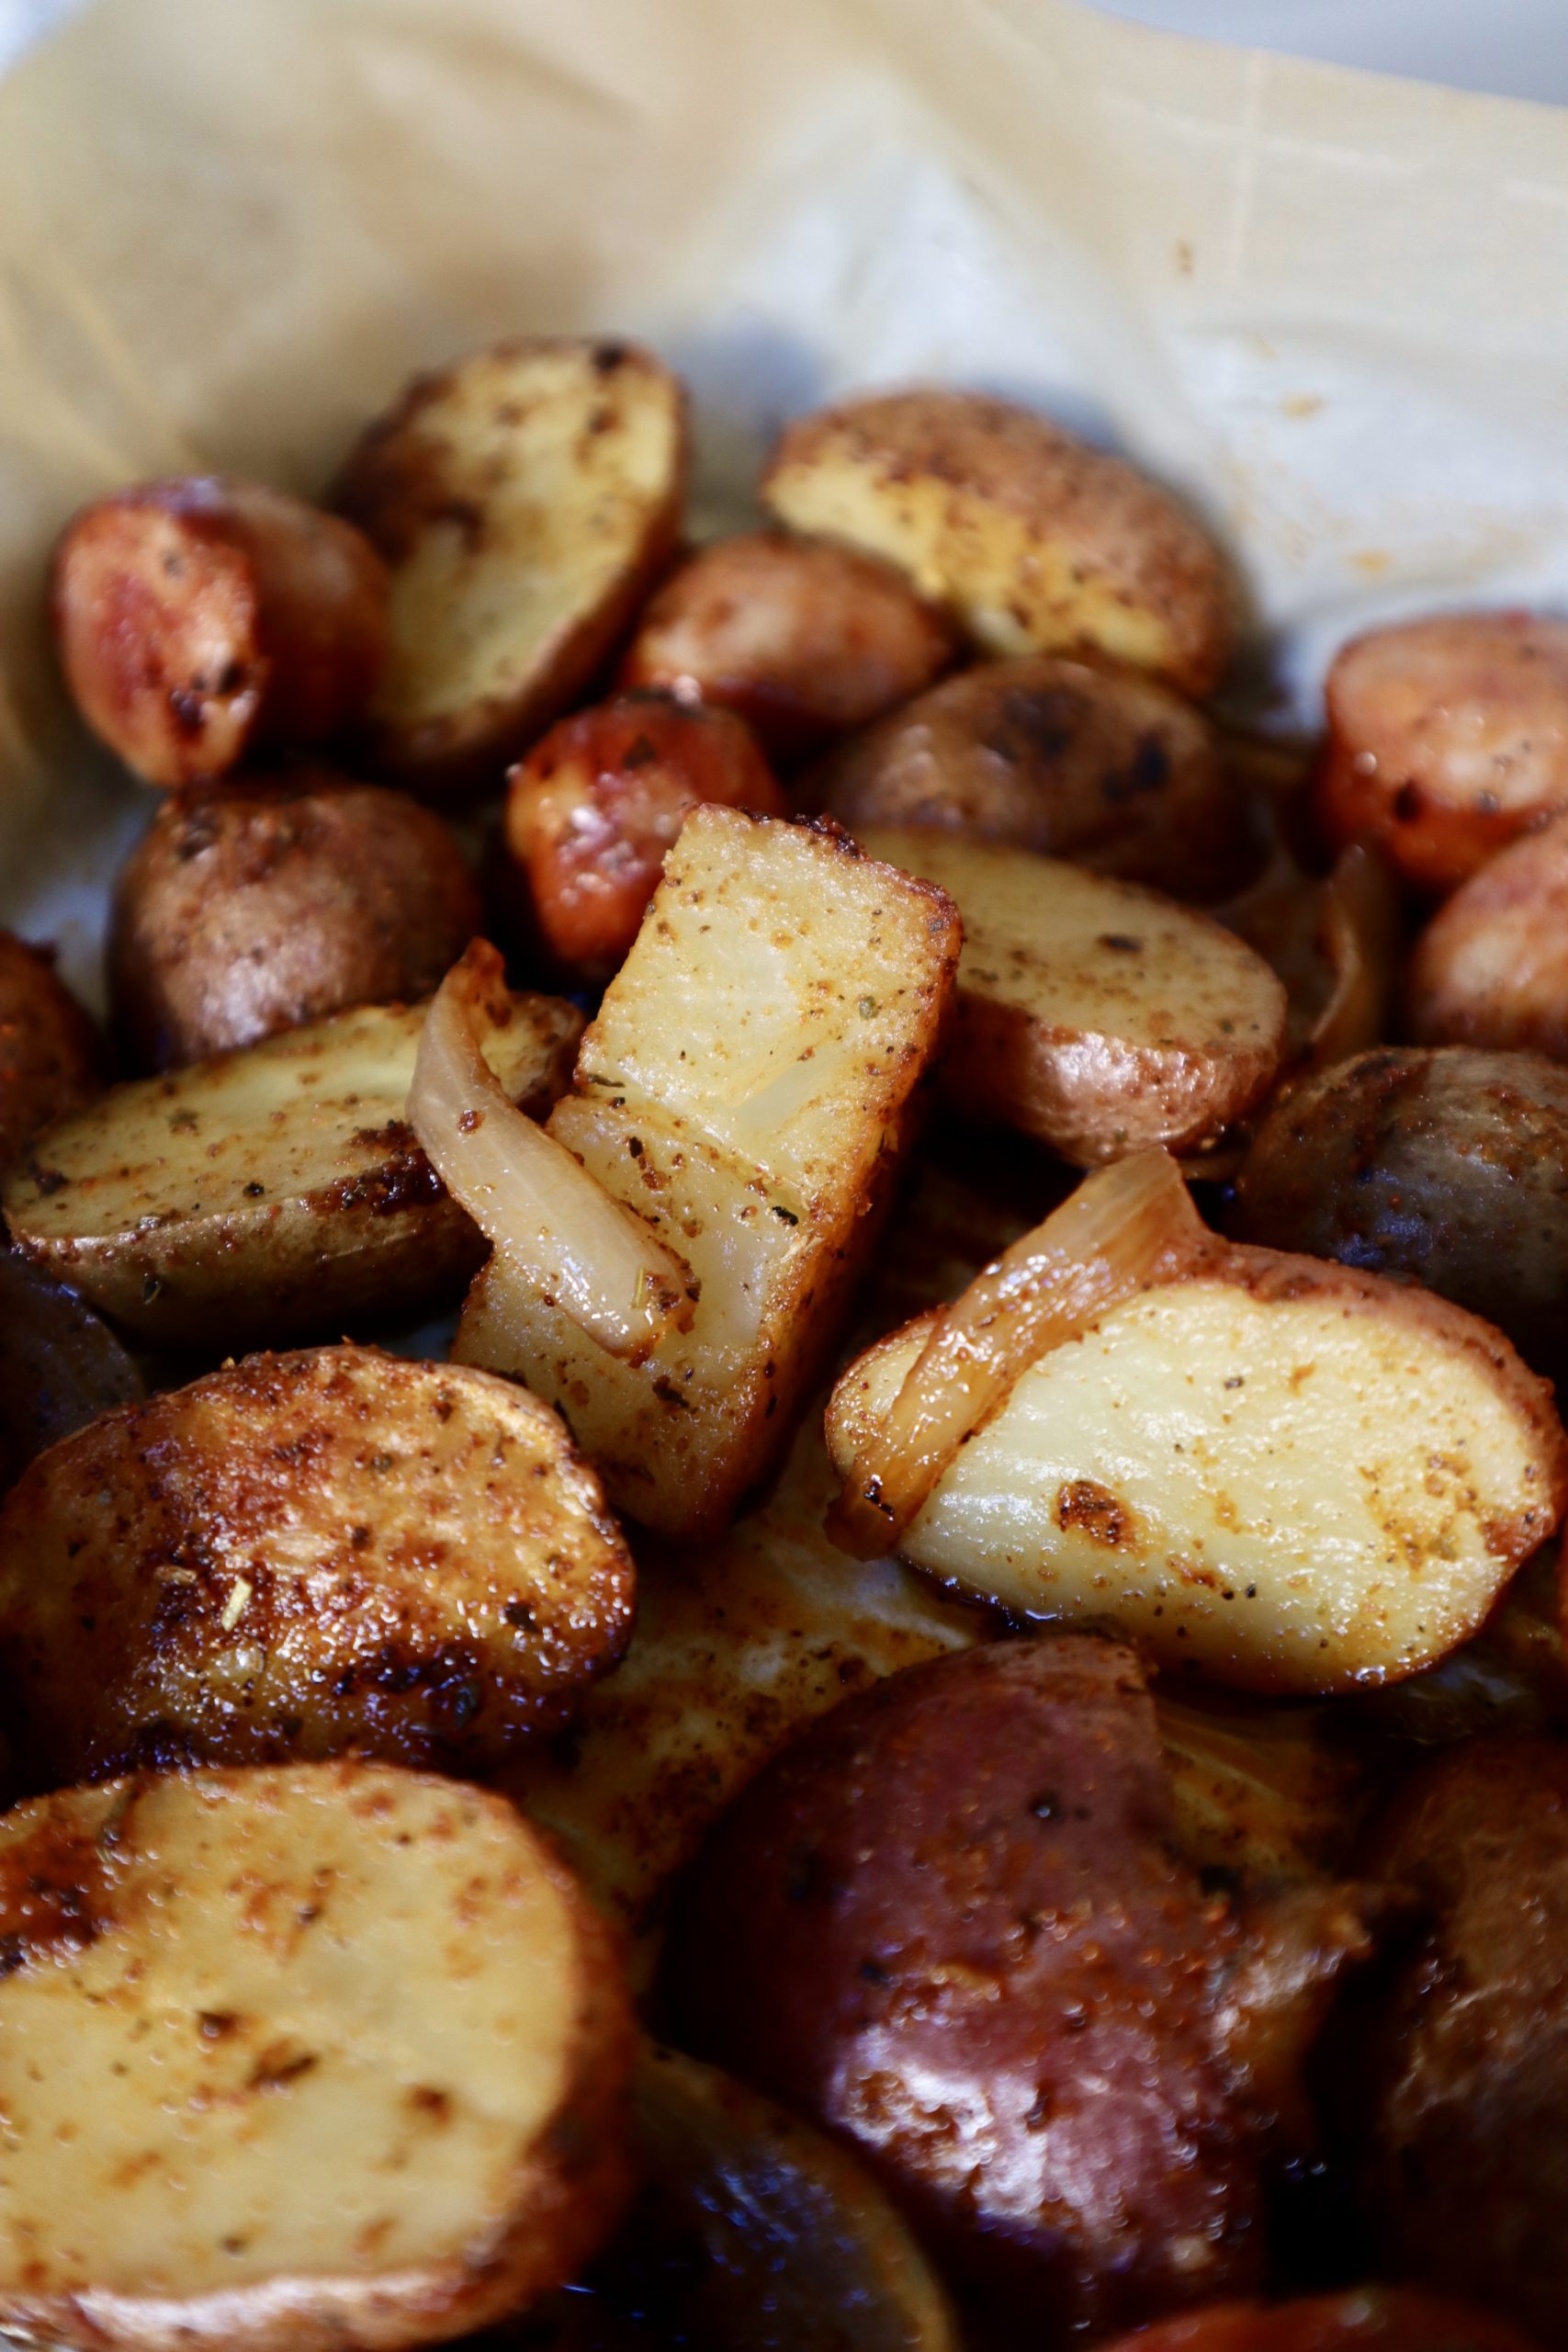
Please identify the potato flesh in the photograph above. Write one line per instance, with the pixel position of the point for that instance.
(1289, 1479)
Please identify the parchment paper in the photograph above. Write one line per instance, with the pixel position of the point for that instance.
(1332, 309)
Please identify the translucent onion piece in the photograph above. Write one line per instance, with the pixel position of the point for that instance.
(1126, 1225)
(1359, 937)
(556, 1228)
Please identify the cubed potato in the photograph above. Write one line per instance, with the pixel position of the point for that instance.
(273, 1193)
(304, 1553)
(1092, 1013)
(1287, 1476)
(50, 1056)
(526, 499)
(1491, 968)
(1033, 541)
(749, 1086)
(324, 2059)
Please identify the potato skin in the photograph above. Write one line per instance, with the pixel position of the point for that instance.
(199, 618)
(59, 1367)
(260, 908)
(803, 638)
(1447, 738)
(50, 1060)
(1445, 1164)
(1095, 763)
(1383, 2319)
(1491, 968)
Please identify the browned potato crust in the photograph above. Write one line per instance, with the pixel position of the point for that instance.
(199, 618)
(303, 1553)
(1447, 737)
(1035, 542)
(49, 1060)
(268, 905)
(1491, 968)
(59, 1367)
(804, 639)
(1094, 763)
(1444, 1164)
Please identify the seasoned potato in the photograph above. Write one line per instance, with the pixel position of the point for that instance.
(749, 1087)
(948, 1922)
(1445, 1164)
(1491, 968)
(302, 1553)
(59, 1367)
(1287, 1476)
(1033, 541)
(272, 1193)
(294, 2061)
(200, 618)
(593, 810)
(1093, 1014)
(49, 1061)
(1382, 2318)
(265, 905)
(1447, 737)
(804, 639)
(526, 500)
(1093, 763)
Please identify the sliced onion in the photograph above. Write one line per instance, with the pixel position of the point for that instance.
(1127, 1227)
(556, 1228)
(1359, 937)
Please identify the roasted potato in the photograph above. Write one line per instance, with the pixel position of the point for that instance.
(1491, 968)
(273, 1193)
(1382, 2318)
(526, 500)
(303, 1553)
(1444, 1164)
(200, 618)
(294, 2061)
(1092, 1013)
(49, 1058)
(948, 1923)
(1094, 763)
(1033, 541)
(592, 810)
(804, 639)
(749, 1087)
(59, 1367)
(1447, 738)
(265, 905)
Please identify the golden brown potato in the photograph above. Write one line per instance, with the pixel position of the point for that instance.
(59, 1367)
(1445, 1164)
(49, 1058)
(526, 500)
(324, 2059)
(804, 639)
(303, 1553)
(1092, 1013)
(275, 1193)
(1491, 968)
(1033, 541)
(1447, 738)
(1381, 2319)
(1093, 763)
(200, 618)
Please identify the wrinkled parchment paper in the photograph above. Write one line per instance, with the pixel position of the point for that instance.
(1332, 309)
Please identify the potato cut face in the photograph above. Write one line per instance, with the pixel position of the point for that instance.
(523, 500)
(1093, 1014)
(748, 1087)
(303, 1553)
(326, 2055)
(269, 1193)
(1288, 1475)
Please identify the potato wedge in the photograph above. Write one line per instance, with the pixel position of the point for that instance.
(748, 1087)
(50, 1056)
(1094, 1014)
(303, 1553)
(294, 2061)
(273, 1193)
(526, 499)
(1033, 541)
(59, 1367)
(1288, 1475)
(1491, 968)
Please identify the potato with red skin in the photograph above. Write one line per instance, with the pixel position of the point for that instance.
(200, 618)
(1380, 2319)
(1447, 738)
(246, 911)
(592, 810)
(50, 1056)
(804, 639)
(1491, 968)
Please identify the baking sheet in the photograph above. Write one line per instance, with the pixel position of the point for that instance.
(1326, 307)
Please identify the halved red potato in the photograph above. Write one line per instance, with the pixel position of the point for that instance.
(59, 1367)
(51, 1060)
(1491, 968)
(1381, 2319)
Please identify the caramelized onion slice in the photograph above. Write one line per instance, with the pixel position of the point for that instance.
(1359, 938)
(1126, 1225)
(554, 1227)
